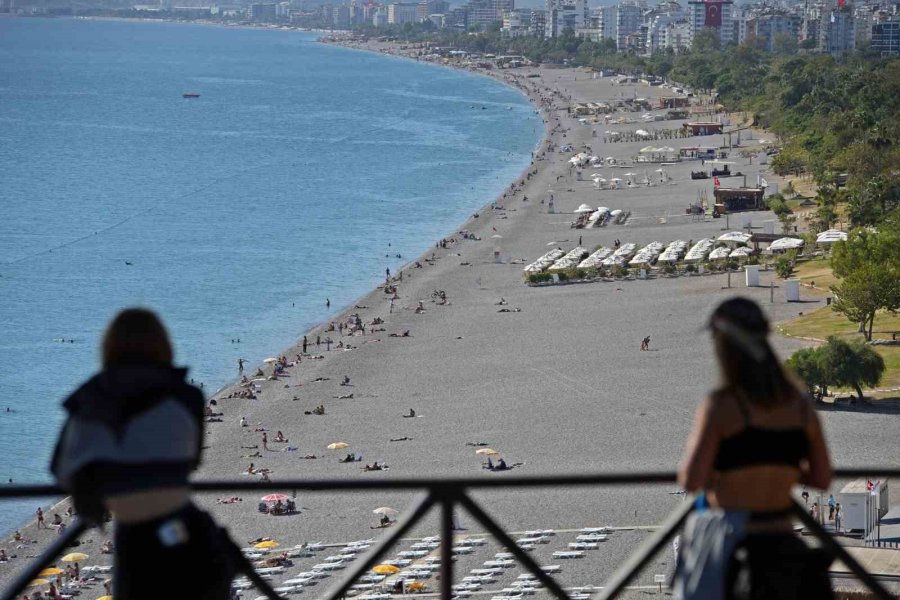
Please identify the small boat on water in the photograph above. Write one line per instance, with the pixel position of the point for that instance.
(190, 95)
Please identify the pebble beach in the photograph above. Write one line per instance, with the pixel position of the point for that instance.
(551, 377)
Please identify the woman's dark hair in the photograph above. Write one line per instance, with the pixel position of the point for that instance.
(748, 363)
(136, 336)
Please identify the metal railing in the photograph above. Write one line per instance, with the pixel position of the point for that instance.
(447, 494)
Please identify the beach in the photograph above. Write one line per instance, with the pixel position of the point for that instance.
(551, 377)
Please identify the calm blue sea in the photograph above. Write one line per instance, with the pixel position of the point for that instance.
(288, 181)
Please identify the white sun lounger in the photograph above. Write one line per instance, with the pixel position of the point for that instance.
(504, 556)
(592, 537)
(399, 562)
(271, 570)
(329, 566)
(463, 550)
(583, 545)
(551, 568)
(289, 589)
(568, 554)
(471, 542)
(503, 564)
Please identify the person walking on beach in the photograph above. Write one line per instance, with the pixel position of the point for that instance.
(40, 518)
(133, 434)
(305, 342)
(265, 441)
(754, 438)
(318, 341)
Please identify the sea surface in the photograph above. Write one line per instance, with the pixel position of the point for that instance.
(297, 176)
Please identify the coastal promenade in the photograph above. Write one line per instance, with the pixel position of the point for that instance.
(556, 385)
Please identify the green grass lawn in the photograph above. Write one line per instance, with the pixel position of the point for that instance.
(817, 270)
(824, 321)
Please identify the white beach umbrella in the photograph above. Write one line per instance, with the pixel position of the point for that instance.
(584, 208)
(735, 237)
(616, 179)
(786, 243)
(831, 236)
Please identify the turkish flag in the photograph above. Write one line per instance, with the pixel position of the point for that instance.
(713, 14)
(716, 182)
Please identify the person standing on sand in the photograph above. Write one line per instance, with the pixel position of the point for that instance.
(318, 341)
(133, 435)
(40, 518)
(265, 441)
(305, 342)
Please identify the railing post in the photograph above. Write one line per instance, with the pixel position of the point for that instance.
(448, 502)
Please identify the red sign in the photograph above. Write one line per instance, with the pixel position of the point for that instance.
(713, 14)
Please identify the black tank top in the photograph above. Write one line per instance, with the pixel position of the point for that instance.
(753, 445)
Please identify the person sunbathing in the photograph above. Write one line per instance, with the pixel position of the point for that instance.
(344, 397)
(346, 380)
(401, 439)
(279, 437)
(259, 373)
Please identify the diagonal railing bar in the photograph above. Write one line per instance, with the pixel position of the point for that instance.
(414, 516)
(447, 504)
(629, 570)
(839, 551)
(49, 555)
(529, 563)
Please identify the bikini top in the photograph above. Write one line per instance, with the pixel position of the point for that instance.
(754, 445)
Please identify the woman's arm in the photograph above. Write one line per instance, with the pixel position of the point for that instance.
(700, 452)
(818, 473)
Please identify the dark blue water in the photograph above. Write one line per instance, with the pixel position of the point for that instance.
(240, 211)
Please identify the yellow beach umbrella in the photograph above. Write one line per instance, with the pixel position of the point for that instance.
(385, 569)
(267, 544)
(74, 557)
(487, 452)
(338, 445)
(37, 582)
(416, 586)
(105, 598)
(50, 572)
